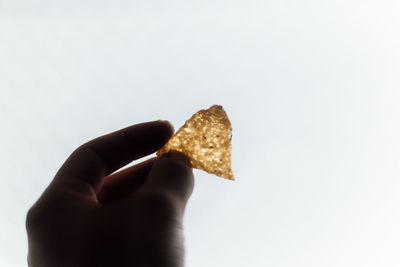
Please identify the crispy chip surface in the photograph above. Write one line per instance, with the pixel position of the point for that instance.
(206, 140)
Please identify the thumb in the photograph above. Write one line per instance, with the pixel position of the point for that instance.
(172, 175)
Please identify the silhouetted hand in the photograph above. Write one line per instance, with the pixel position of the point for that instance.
(90, 217)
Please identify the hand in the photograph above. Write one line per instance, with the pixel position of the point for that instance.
(90, 216)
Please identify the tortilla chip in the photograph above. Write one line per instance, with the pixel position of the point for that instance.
(206, 140)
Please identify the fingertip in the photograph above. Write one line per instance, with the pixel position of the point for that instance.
(166, 127)
(176, 164)
(172, 172)
(178, 156)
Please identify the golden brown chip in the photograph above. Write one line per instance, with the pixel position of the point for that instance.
(206, 140)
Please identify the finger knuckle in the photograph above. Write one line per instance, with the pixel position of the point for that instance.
(33, 217)
(40, 214)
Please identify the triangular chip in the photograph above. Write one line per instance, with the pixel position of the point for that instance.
(206, 140)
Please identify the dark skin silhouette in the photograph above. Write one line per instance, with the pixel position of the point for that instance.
(91, 215)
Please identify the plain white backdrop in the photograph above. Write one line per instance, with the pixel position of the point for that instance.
(312, 89)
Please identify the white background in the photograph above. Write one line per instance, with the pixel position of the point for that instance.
(312, 89)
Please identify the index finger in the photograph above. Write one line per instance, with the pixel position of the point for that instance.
(98, 158)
